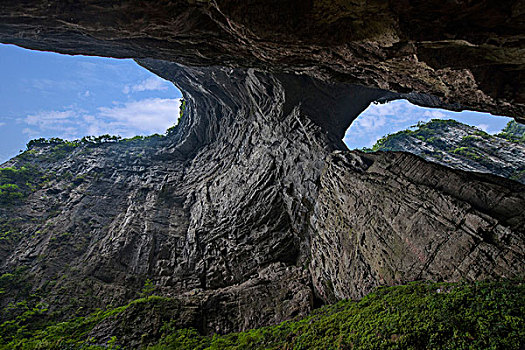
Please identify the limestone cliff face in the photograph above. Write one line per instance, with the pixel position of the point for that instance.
(387, 218)
(460, 146)
(216, 209)
(252, 210)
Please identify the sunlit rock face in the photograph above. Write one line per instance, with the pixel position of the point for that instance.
(464, 147)
(388, 218)
(252, 210)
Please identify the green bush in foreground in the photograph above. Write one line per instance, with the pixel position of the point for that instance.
(482, 315)
(485, 315)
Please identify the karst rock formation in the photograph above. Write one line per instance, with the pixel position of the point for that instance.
(252, 210)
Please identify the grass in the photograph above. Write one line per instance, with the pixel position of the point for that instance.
(485, 315)
(420, 315)
(15, 184)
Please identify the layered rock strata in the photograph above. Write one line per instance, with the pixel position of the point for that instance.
(252, 210)
(464, 54)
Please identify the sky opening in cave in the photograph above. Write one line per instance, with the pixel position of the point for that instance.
(44, 94)
(379, 120)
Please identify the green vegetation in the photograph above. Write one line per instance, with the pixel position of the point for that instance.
(27, 331)
(10, 193)
(16, 184)
(390, 142)
(518, 174)
(467, 152)
(425, 132)
(483, 315)
(142, 138)
(182, 109)
(513, 132)
(59, 148)
(148, 289)
(14, 282)
(472, 147)
(86, 140)
(420, 315)
(429, 133)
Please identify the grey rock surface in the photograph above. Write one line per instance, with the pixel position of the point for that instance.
(251, 211)
(461, 147)
(454, 54)
(389, 218)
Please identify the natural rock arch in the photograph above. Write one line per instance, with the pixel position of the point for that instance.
(252, 208)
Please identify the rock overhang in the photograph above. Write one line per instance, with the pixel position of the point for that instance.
(250, 198)
(451, 55)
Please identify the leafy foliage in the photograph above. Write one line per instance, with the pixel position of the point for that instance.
(424, 131)
(513, 132)
(431, 134)
(484, 315)
(15, 183)
(86, 140)
(25, 332)
(182, 109)
(148, 289)
(481, 315)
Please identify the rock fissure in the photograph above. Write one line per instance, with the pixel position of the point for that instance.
(252, 208)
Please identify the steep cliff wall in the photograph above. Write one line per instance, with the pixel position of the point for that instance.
(464, 147)
(245, 212)
(252, 210)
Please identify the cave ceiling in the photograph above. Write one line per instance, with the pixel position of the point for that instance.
(451, 54)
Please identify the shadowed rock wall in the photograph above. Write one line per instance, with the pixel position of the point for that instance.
(253, 208)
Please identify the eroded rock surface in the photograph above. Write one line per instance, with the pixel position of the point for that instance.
(464, 147)
(218, 203)
(464, 54)
(389, 218)
(252, 209)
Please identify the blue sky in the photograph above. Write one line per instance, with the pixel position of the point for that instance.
(45, 94)
(379, 120)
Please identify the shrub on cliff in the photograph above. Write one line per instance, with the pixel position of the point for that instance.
(480, 315)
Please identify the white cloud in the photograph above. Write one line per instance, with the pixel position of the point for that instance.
(370, 124)
(434, 115)
(142, 117)
(381, 119)
(48, 118)
(150, 84)
(149, 115)
(2, 123)
(484, 127)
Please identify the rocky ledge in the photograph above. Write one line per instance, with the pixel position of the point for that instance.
(252, 211)
(460, 54)
(464, 147)
(249, 212)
